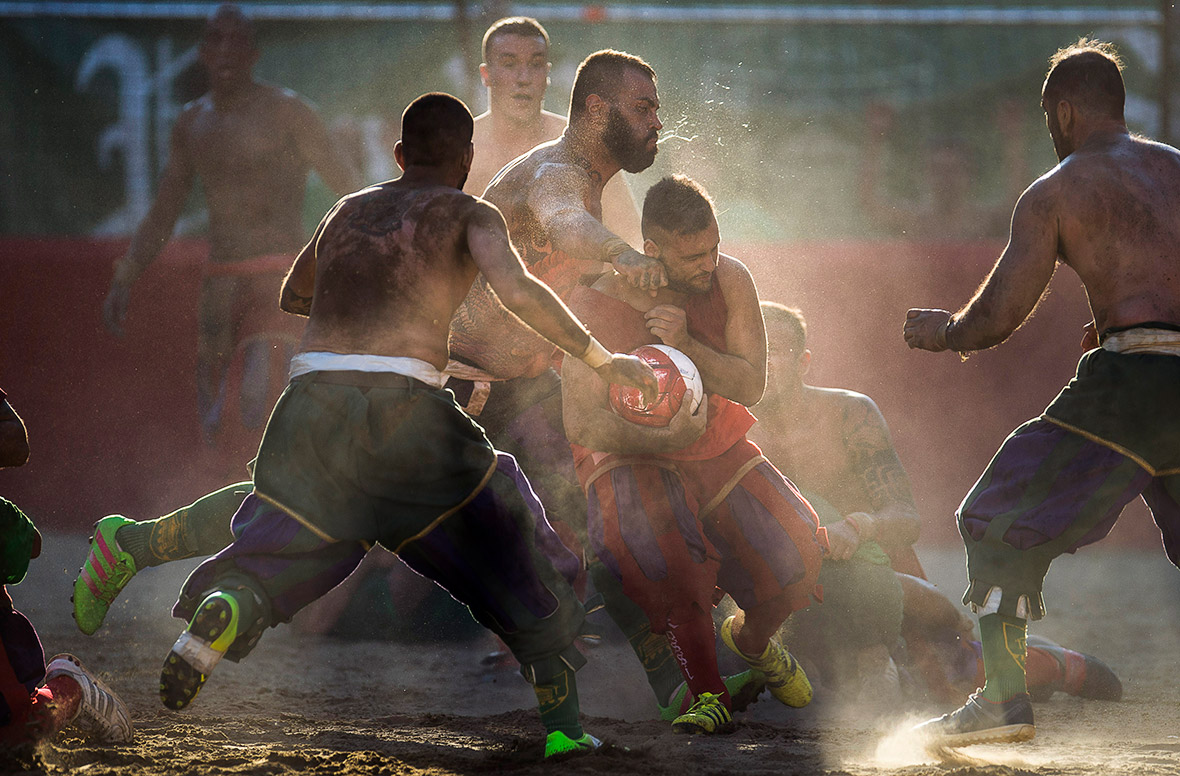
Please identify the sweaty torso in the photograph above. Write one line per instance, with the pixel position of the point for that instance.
(1118, 211)
(494, 150)
(812, 445)
(392, 264)
(483, 333)
(253, 173)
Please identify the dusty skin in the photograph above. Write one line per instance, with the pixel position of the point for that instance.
(308, 704)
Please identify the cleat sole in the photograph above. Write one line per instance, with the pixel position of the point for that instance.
(1007, 734)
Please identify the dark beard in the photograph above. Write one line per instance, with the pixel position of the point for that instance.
(630, 153)
(684, 287)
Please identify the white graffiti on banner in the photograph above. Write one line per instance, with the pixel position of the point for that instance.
(130, 137)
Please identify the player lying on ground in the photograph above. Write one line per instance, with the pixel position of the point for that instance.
(38, 700)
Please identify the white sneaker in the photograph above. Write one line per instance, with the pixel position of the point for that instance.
(101, 711)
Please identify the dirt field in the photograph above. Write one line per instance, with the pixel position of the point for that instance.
(311, 704)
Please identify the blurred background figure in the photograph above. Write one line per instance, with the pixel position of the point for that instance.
(251, 145)
(947, 204)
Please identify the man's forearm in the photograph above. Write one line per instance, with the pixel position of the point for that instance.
(151, 237)
(970, 329)
(892, 526)
(577, 233)
(535, 303)
(725, 374)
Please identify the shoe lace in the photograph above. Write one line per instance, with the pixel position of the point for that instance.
(706, 699)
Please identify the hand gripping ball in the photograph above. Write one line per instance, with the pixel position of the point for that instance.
(675, 373)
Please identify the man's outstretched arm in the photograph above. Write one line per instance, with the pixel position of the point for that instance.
(299, 285)
(155, 230)
(1011, 291)
(538, 307)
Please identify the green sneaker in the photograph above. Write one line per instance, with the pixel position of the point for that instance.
(209, 635)
(103, 576)
(744, 689)
(708, 715)
(784, 676)
(558, 743)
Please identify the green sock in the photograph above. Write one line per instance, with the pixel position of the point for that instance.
(1004, 653)
(652, 649)
(201, 528)
(558, 701)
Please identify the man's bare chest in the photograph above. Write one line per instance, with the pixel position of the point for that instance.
(229, 143)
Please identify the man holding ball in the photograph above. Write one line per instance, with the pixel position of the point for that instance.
(678, 510)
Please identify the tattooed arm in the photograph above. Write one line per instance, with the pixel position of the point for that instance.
(892, 514)
(557, 198)
(891, 518)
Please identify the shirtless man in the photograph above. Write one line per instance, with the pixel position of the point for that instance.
(252, 145)
(522, 415)
(501, 371)
(515, 71)
(1109, 211)
(379, 281)
(676, 512)
(835, 447)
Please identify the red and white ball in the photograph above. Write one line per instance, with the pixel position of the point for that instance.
(675, 373)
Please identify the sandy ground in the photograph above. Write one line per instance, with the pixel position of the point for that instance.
(313, 704)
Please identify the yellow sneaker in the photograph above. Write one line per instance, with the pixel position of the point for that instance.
(784, 676)
(707, 715)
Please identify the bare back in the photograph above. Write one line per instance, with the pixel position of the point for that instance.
(392, 264)
(1117, 206)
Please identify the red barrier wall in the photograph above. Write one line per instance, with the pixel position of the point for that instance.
(113, 422)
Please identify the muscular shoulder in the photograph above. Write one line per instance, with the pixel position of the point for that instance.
(733, 274)
(849, 408)
(554, 123)
(860, 417)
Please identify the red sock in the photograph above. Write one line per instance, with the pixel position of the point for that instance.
(694, 644)
(1041, 668)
